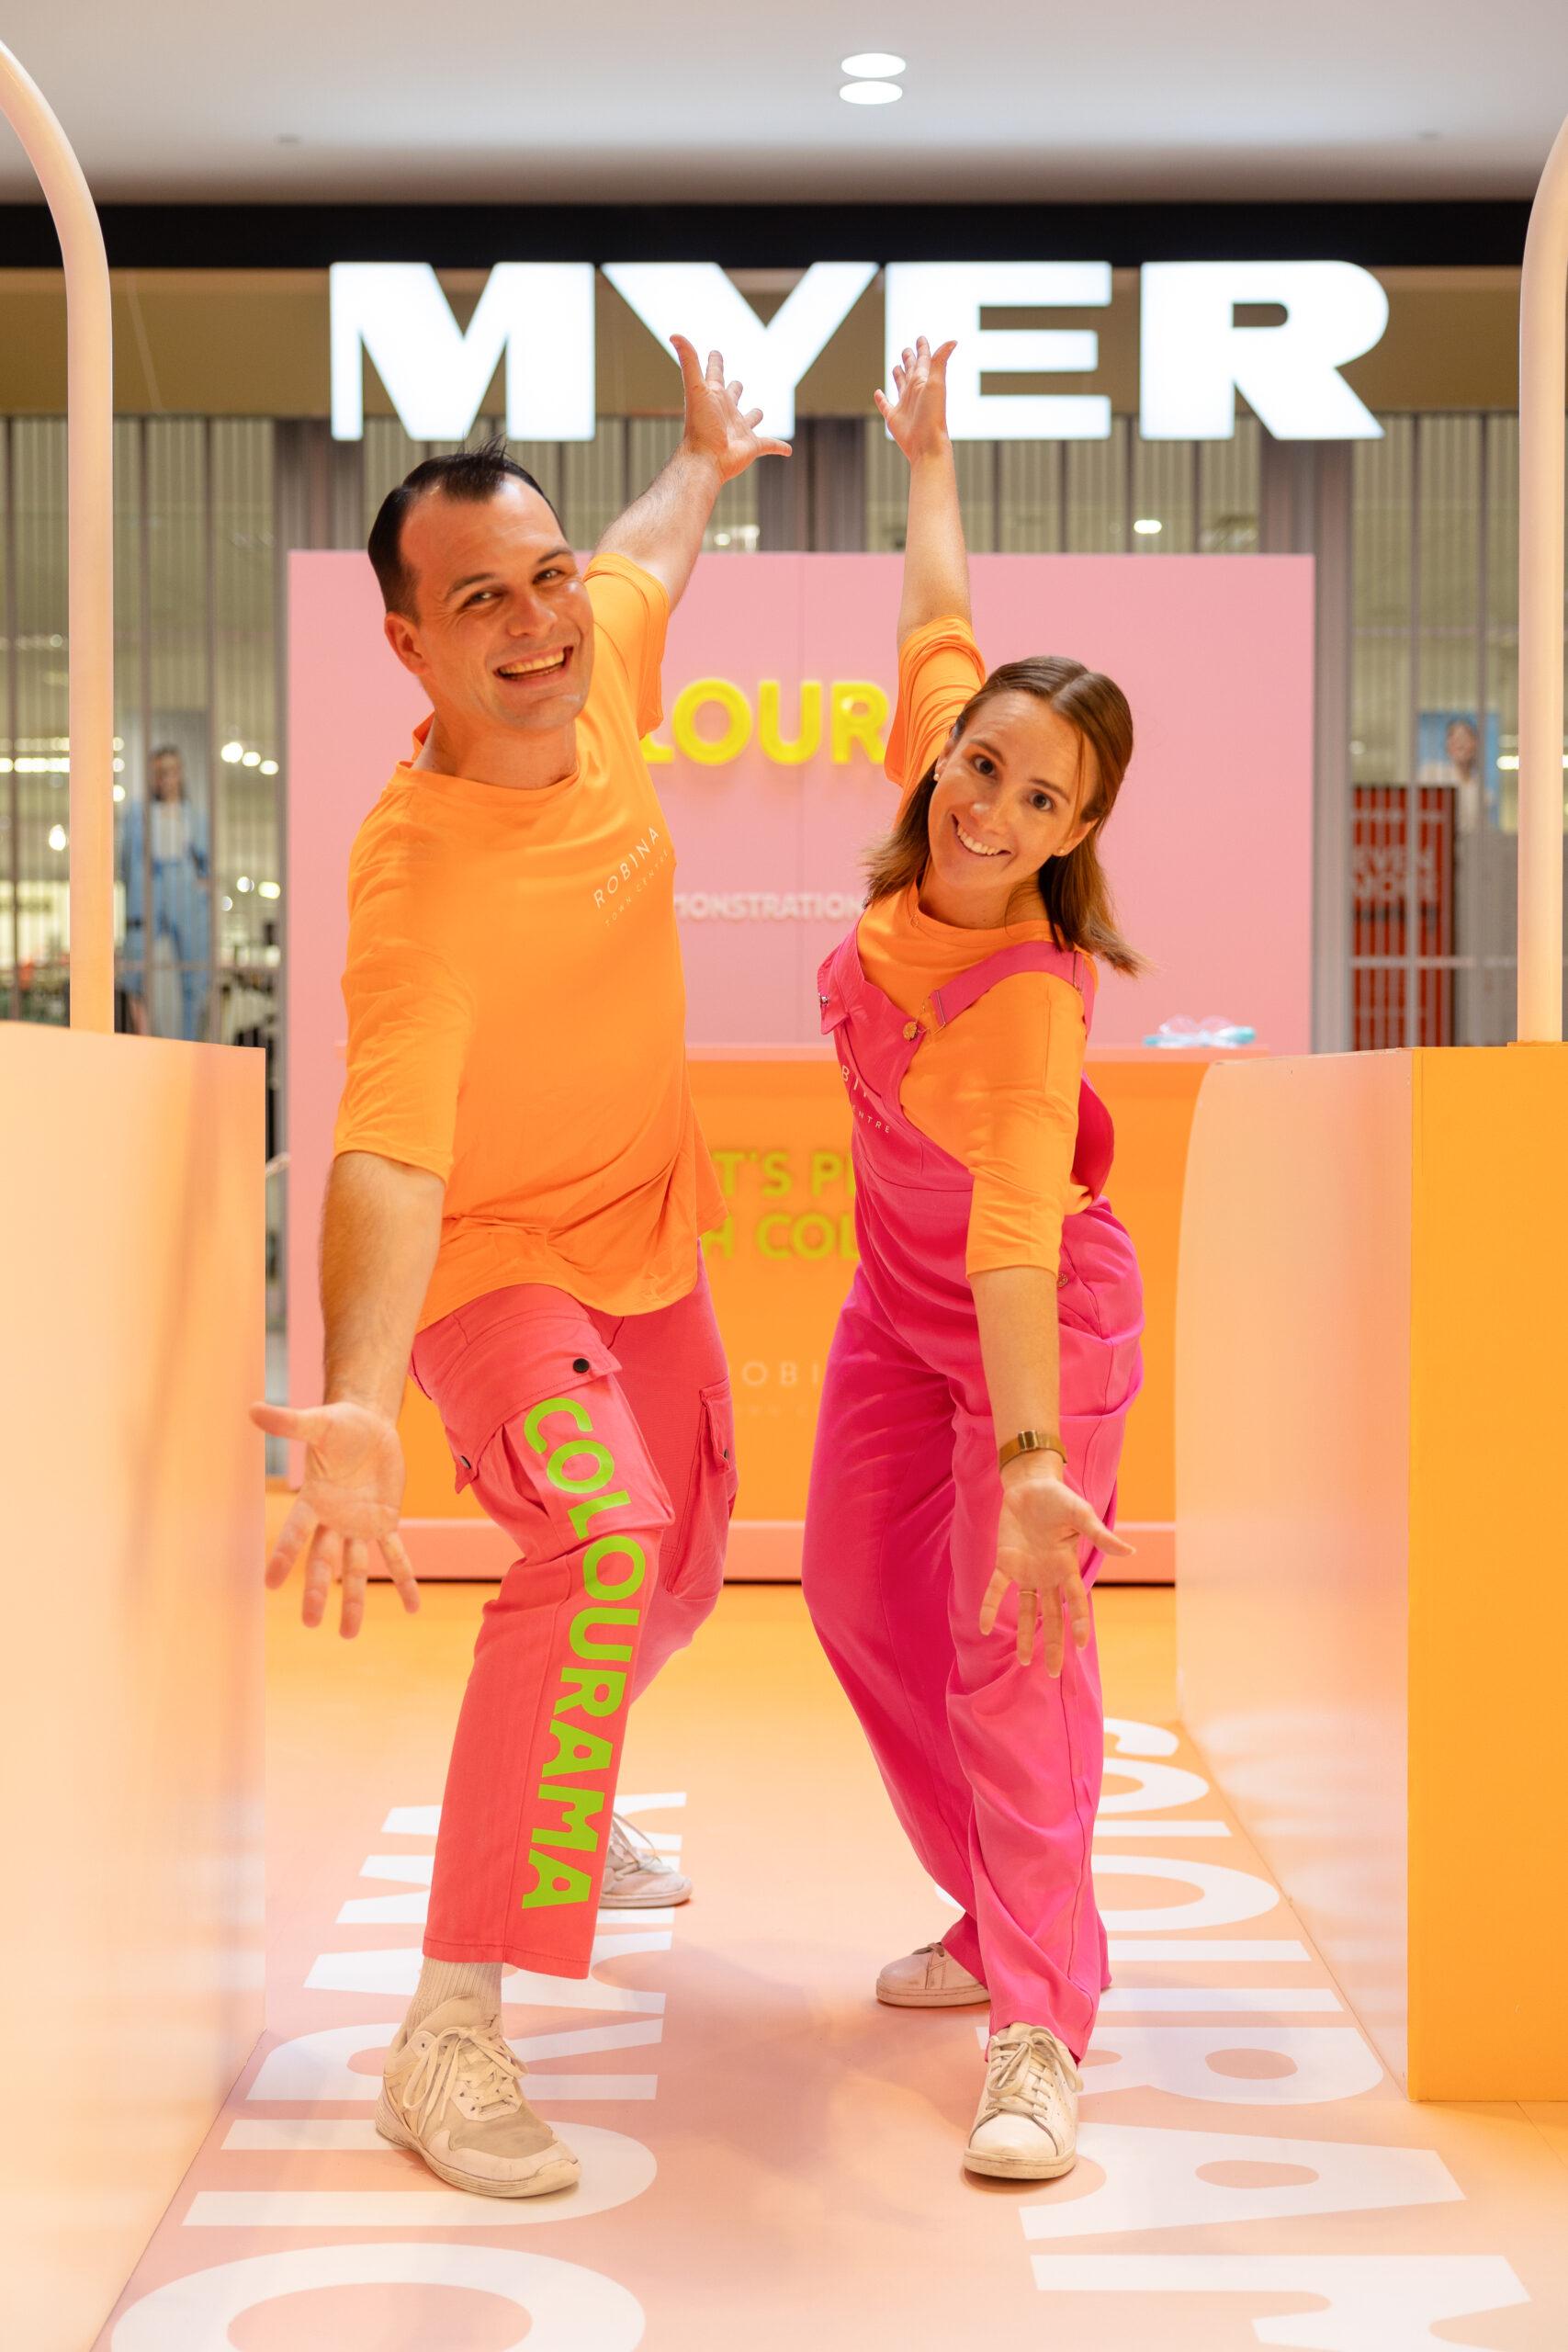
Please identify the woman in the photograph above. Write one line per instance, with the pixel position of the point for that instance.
(972, 1415)
(162, 842)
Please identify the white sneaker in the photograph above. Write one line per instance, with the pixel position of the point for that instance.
(636, 1876)
(929, 1979)
(452, 2089)
(1026, 2125)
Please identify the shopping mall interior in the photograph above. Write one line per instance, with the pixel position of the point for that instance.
(1237, 415)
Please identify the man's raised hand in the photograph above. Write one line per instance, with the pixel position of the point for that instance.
(351, 1498)
(716, 425)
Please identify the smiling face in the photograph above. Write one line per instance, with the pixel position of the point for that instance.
(502, 630)
(1010, 794)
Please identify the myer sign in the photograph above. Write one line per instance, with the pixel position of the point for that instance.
(1195, 357)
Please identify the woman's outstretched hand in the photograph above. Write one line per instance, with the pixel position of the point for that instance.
(1042, 1525)
(917, 416)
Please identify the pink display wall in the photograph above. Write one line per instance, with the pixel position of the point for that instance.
(1210, 851)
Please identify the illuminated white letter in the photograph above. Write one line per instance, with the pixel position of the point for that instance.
(943, 299)
(696, 300)
(1195, 358)
(540, 313)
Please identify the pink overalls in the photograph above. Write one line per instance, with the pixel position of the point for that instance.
(993, 1768)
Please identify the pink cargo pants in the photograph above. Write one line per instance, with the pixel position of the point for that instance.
(604, 1447)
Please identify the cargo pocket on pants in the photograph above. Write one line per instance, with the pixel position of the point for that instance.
(547, 1374)
(704, 1533)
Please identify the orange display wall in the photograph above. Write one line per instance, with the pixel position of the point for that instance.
(131, 1261)
(778, 1127)
(1372, 1616)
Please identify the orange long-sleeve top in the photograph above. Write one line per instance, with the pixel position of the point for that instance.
(997, 1087)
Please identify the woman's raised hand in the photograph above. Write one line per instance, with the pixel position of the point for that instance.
(1042, 1523)
(917, 416)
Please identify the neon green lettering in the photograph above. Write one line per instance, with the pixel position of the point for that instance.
(574, 1828)
(580, 1513)
(577, 1751)
(598, 1692)
(558, 1882)
(538, 1414)
(577, 1637)
(631, 1549)
(580, 1450)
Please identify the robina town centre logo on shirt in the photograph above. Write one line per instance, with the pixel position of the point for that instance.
(648, 855)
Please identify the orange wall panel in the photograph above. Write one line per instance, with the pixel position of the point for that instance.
(1488, 1595)
(1373, 1613)
(1292, 1446)
(132, 1263)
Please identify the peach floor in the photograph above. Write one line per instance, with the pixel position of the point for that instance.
(771, 2160)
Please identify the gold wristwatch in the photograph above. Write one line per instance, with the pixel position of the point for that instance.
(1031, 1442)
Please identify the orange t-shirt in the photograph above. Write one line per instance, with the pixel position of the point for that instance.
(516, 1005)
(998, 1089)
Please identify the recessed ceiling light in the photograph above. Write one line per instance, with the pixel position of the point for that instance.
(1146, 526)
(870, 93)
(876, 62)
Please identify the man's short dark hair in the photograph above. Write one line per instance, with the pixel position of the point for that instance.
(472, 475)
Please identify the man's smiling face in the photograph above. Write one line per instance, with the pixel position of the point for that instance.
(502, 629)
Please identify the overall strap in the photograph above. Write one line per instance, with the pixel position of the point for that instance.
(1030, 956)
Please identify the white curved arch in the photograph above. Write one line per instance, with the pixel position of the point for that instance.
(89, 400)
(1542, 366)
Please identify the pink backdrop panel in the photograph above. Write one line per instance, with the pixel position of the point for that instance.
(1209, 852)
(351, 708)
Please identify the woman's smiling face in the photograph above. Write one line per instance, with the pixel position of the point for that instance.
(1008, 796)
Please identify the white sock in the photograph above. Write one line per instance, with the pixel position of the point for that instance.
(452, 1980)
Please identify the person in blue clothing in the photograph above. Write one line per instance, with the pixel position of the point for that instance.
(173, 854)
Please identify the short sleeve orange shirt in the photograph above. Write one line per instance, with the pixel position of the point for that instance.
(999, 1088)
(516, 1005)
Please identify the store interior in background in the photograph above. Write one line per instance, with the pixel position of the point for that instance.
(1413, 536)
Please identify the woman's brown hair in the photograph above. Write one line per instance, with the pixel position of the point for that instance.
(1075, 892)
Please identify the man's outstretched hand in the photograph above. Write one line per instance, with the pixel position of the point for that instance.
(351, 1497)
(716, 425)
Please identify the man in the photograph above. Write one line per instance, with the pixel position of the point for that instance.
(519, 1191)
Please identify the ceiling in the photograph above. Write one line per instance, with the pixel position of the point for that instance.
(184, 101)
